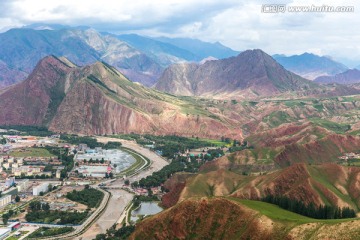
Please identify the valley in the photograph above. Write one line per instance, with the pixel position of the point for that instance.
(231, 146)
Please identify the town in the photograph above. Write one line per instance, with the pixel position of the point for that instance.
(48, 180)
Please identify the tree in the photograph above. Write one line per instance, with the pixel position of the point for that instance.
(5, 219)
(135, 184)
(45, 207)
(87, 186)
(50, 187)
(17, 198)
(41, 193)
(127, 182)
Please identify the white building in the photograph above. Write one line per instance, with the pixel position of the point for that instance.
(5, 200)
(58, 174)
(22, 185)
(44, 187)
(4, 233)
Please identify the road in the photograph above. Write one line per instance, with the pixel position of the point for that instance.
(116, 206)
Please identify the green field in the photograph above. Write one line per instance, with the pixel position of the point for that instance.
(214, 142)
(276, 213)
(332, 126)
(31, 152)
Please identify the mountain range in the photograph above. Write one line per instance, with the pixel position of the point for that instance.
(310, 66)
(350, 76)
(251, 74)
(98, 99)
(141, 59)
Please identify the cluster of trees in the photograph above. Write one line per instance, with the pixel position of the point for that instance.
(89, 141)
(113, 234)
(38, 206)
(40, 212)
(2, 141)
(139, 198)
(88, 196)
(74, 139)
(310, 210)
(47, 232)
(179, 164)
(7, 216)
(169, 145)
(157, 178)
(64, 156)
(59, 217)
(27, 130)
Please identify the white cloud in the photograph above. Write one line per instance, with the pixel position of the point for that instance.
(236, 23)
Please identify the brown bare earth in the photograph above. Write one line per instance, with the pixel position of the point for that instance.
(206, 219)
(220, 218)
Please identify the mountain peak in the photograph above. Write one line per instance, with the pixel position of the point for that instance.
(253, 73)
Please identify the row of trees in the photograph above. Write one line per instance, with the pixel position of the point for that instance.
(310, 210)
(27, 130)
(89, 141)
(46, 232)
(113, 234)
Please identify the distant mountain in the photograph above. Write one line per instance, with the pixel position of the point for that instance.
(251, 73)
(98, 99)
(309, 65)
(201, 49)
(161, 52)
(349, 77)
(10, 76)
(22, 48)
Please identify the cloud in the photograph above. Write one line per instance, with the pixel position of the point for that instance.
(239, 24)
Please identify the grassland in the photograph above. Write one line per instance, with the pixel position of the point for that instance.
(332, 126)
(31, 152)
(278, 214)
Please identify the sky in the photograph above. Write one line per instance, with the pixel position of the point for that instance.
(238, 24)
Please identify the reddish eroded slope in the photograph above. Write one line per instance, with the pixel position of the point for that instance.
(214, 218)
(28, 103)
(301, 142)
(98, 99)
(330, 184)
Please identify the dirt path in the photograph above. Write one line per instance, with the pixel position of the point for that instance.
(116, 206)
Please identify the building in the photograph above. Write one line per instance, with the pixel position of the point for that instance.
(58, 174)
(9, 182)
(82, 147)
(4, 233)
(13, 226)
(22, 185)
(90, 151)
(5, 200)
(44, 187)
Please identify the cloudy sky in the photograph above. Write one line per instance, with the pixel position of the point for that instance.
(238, 24)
